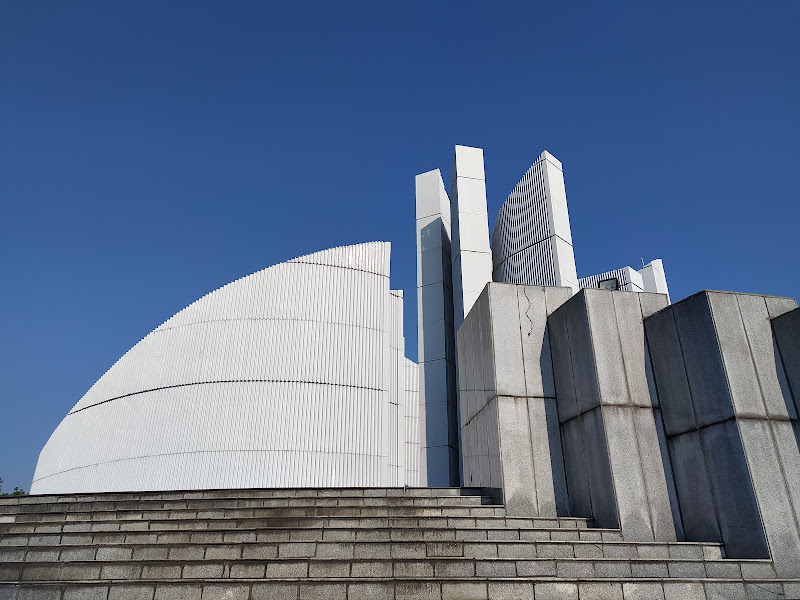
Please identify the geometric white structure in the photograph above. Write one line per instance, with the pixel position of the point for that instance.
(650, 278)
(293, 376)
(653, 278)
(531, 244)
(436, 340)
(471, 252)
(531, 238)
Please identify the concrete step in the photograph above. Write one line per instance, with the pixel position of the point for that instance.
(259, 513)
(376, 566)
(419, 548)
(246, 493)
(306, 521)
(239, 503)
(346, 544)
(494, 588)
(317, 534)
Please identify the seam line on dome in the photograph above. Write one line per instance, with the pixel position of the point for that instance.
(292, 319)
(308, 262)
(180, 385)
(116, 460)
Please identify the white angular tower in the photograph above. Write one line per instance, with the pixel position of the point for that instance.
(531, 239)
(471, 253)
(437, 372)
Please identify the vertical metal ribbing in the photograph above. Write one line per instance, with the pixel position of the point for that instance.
(276, 379)
(531, 238)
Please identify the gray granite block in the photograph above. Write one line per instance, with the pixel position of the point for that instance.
(683, 590)
(764, 590)
(642, 591)
(275, 590)
(33, 592)
(734, 498)
(165, 591)
(761, 349)
(598, 470)
(575, 569)
(600, 591)
(633, 504)
(510, 590)
(323, 591)
(369, 568)
(85, 592)
(555, 591)
(506, 340)
(612, 568)
(702, 360)
(206, 570)
(535, 338)
(383, 590)
(465, 590)
(516, 456)
(161, 571)
(786, 330)
(686, 569)
(131, 592)
(417, 590)
(693, 486)
(225, 591)
(108, 571)
(536, 568)
(567, 402)
(725, 591)
(649, 569)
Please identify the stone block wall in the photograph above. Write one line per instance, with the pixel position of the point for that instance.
(667, 421)
(509, 425)
(614, 461)
(731, 422)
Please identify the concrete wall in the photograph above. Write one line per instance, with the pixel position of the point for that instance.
(509, 426)
(615, 461)
(786, 330)
(731, 422)
(669, 422)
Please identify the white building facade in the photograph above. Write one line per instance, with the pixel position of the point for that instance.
(531, 238)
(294, 376)
(531, 244)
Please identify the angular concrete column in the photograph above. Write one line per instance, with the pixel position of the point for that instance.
(729, 424)
(437, 374)
(786, 329)
(615, 466)
(509, 426)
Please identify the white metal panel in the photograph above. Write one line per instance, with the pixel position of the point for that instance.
(531, 238)
(278, 379)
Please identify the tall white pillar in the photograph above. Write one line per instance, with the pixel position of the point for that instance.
(471, 253)
(437, 372)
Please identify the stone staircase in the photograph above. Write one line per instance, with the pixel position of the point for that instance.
(345, 544)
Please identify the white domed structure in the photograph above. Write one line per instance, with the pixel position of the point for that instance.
(294, 376)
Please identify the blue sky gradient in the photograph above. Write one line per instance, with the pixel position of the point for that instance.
(151, 152)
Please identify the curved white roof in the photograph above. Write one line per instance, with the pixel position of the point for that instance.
(281, 378)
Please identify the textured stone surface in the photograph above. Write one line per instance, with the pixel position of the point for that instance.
(461, 547)
(786, 329)
(723, 359)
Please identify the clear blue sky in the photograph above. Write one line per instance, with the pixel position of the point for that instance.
(153, 151)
